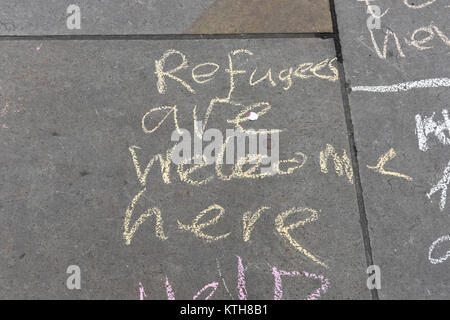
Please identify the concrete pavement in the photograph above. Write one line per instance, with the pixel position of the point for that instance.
(86, 119)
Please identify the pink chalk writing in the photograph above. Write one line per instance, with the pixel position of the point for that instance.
(141, 292)
(278, 293)
(169, 290)
(212, 285)
(241, 281)
(242, 289)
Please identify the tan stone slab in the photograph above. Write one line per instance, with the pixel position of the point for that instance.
(264, 16)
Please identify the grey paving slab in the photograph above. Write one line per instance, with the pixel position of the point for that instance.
(71, 110)
(407, 228)
(49, 17)
(266, 16)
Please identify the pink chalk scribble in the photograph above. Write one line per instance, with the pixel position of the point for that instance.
(278, 292)
(212, 285)
(241, 280)
(242, 288)
(169, 290)
(141, 292)
(325, 283)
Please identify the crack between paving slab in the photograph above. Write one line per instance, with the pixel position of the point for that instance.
(353, 151)
(313, 35)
